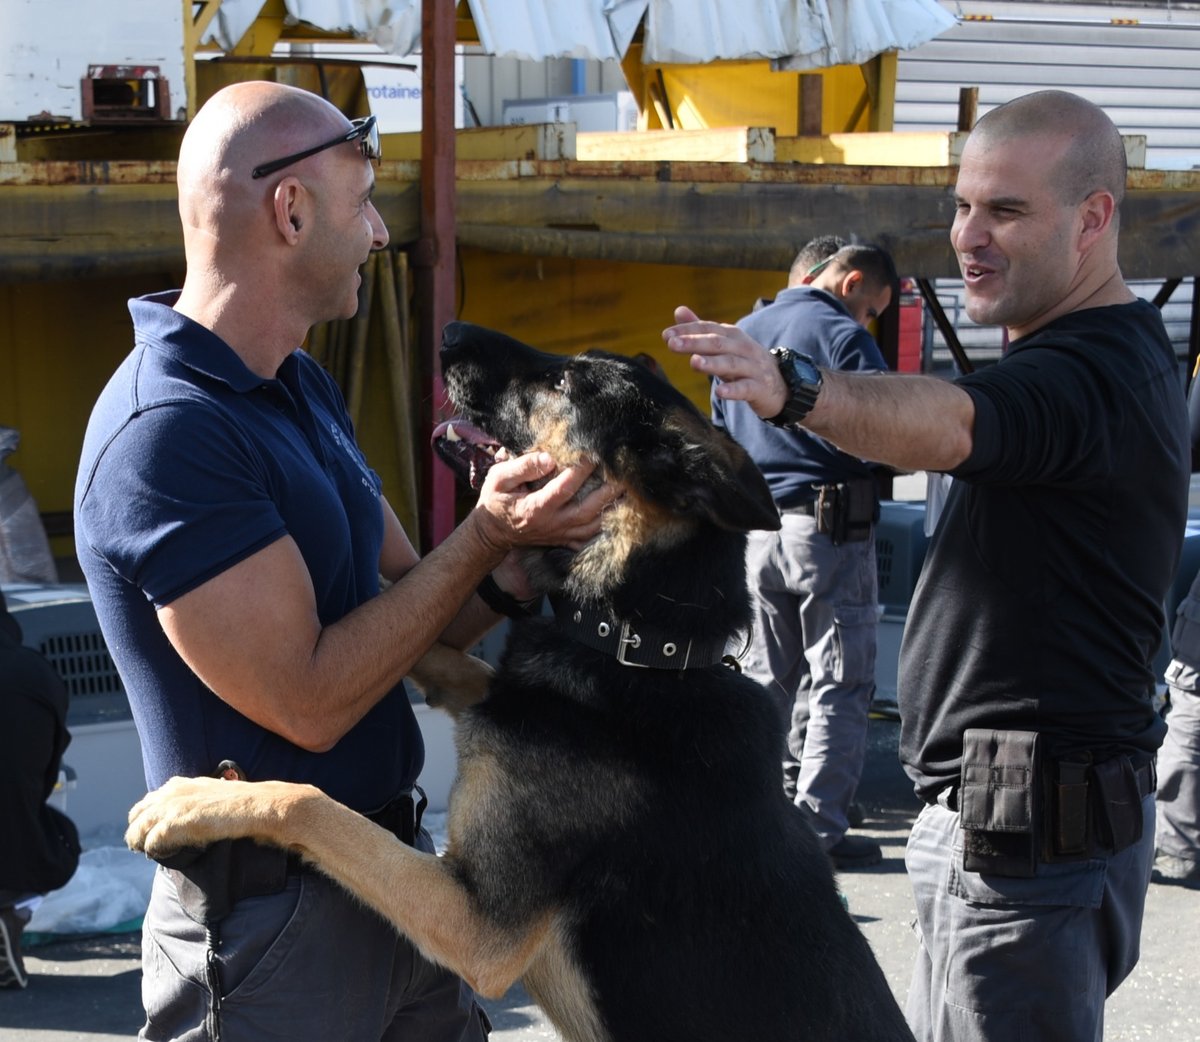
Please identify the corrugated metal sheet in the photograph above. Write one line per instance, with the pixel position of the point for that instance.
(1145, 76)
(1140, 63)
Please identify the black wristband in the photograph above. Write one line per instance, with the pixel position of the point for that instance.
(505, 603)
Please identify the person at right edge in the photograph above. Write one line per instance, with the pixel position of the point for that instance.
(814, 583)
(1026, 682)
(1177, 842)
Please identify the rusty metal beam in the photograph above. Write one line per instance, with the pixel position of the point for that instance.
(56, 232)
(77, 219)
(757, 226)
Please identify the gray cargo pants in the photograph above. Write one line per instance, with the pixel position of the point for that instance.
(1005, 959)
(1179, 757)
(812, 646)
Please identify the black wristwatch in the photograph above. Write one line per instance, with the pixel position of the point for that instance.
(803, 380)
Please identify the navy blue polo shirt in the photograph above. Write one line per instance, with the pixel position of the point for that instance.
(192, 463)
(813, 322)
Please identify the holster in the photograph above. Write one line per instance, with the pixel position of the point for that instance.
(212, 879)
(846, 511)
(402, 817)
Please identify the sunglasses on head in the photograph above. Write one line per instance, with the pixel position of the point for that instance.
(365, 131)
(820, 266)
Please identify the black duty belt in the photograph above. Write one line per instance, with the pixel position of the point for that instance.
(1079, 811)
(808, 506)
(1146, 777)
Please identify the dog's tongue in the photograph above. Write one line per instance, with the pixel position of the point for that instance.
(467, 450)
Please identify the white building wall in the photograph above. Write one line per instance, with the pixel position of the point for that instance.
(46, 49)
(490, 82)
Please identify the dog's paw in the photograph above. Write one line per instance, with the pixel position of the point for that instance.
(187, 812)
(451, 679)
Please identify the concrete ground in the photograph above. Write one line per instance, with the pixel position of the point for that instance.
(87, 990)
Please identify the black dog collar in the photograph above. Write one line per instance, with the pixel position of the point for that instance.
(644, 647)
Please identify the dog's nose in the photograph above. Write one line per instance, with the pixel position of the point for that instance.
(453, 342)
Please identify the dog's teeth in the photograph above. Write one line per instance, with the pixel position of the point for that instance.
(490, 450)
(452, 434)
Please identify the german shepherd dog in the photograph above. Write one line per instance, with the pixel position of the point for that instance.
(618, 837)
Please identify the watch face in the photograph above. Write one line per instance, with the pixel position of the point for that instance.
(805, 371)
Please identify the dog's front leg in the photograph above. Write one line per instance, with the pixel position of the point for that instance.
(417, 892)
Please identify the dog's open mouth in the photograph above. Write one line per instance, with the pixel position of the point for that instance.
(466, 450)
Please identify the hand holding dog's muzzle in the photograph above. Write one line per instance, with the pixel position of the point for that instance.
(530, 501)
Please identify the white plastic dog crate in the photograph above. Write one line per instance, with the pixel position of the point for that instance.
(104, 775)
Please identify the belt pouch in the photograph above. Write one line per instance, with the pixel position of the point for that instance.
(211, 880)
(1117, 804)
(997, 802)
(1069, 809)
(861, 504)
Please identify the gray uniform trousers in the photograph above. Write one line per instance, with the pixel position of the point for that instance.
(1002, 960)
(1179, 757)
(812, 645)
(308, 964)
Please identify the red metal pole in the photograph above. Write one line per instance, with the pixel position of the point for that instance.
(434, 255)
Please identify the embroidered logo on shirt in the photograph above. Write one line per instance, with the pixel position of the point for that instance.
(355, 455)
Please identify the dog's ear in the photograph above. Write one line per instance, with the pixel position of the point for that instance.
(700, 470)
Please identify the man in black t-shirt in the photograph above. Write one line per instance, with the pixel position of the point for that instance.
(1025, 676)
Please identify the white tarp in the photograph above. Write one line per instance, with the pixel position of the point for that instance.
(796, 34)
(392, 25)
(600, 29)
(861, 29)
(694, 32)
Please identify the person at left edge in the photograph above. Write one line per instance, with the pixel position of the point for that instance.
(39, 845)
(233, 535)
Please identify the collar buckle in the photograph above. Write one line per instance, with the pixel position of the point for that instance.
(629, 640)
